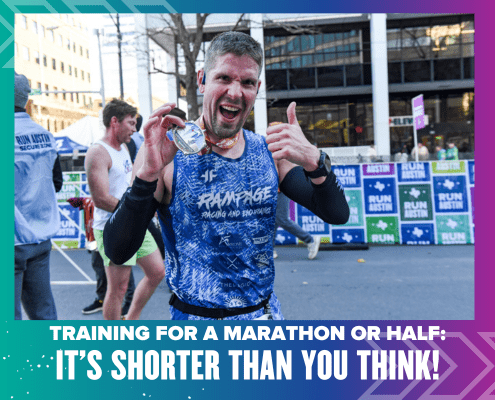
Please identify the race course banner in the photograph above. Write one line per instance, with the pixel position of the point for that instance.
(400, 203)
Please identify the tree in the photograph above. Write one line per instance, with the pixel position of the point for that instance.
(190, 40)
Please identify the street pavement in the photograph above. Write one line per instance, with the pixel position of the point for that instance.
(393, 283)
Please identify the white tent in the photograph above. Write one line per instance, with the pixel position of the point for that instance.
(86, 131)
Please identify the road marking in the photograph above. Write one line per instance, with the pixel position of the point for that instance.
(72, 262)
(73, 282)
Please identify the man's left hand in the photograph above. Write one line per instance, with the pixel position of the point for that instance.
(287, 142)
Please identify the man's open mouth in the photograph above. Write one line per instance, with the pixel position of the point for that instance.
(229, 112)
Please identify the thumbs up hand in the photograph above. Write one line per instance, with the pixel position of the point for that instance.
(288, 142)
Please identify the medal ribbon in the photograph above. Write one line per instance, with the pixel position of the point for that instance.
(224, 144)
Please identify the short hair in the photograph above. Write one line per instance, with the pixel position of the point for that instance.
(237, 43)
(117, 108)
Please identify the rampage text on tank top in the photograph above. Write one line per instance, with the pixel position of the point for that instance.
(218, 229)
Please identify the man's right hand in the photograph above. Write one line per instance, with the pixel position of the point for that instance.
(159, 150)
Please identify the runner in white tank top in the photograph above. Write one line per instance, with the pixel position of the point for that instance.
(119, 178)
(109, 170)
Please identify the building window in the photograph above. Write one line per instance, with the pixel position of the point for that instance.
(74, 46)
(70, 70)
(67, 42)
(60, 40)
(36, 57)
(34, 26)
(417, 71)
(42, 28)
(46, 90)
(62, 67)
(82, 74)
(25, 53)
(447, 69)
(45, 62)
(75, 72)
(51, 35)
(54, 64)
(64, 96)
(55, 126)
(89, 77)
(84, 99)
(16, 49)
(72, 97)
(48, 125)
(81, 50)
(24, 21)
(39, 86)
(87, 53)
(77, 98)
(56, 90)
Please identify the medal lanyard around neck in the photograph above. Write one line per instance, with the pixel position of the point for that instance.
(224, 144)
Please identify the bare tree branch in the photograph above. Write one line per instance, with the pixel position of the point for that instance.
(293, 28)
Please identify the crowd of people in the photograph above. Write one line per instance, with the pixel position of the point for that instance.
(423, 154)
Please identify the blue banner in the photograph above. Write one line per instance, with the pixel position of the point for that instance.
(348, 175)
(348, 236)
(380, 196)
(450, 194)
(418, 234)
(413, 172)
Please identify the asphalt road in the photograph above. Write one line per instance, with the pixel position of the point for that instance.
(393, 283)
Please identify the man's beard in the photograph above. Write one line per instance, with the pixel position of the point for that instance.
(225, 132)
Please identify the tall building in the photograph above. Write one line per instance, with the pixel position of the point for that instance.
(325, 63)
(52, 51)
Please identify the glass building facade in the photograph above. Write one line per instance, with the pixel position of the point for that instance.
(326, 69)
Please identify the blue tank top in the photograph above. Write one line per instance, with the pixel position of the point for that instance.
(218, 228)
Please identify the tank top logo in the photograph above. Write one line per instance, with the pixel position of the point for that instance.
(220, 200)
(127, 166)
(217, 205)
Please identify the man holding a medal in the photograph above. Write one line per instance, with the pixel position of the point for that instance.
(217, 206)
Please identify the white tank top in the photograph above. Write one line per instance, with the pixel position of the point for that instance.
(119, 178)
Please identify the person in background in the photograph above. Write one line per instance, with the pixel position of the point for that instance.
(36, 215)
(282, 219)
(452, 152)
(87, 205)
(441, 153)
(109, 169)
(423, 153)
(372, 153)
(404, 155)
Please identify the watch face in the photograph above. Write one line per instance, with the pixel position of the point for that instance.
(327, 162)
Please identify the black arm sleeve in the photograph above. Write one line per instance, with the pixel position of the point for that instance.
(327, 200)
(125, 229)
(58, 179)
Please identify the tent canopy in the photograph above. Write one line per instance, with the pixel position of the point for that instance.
(67, 146)
(84, 132)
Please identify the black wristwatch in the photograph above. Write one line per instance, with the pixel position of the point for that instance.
(324, 167)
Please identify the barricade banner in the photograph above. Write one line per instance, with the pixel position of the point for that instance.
(69, 236)
(414, 203)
